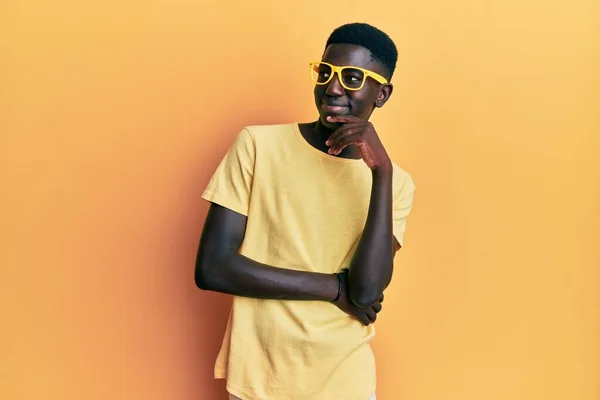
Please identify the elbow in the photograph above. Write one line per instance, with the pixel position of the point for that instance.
(201, 277)
(205, 274)
(365, 298)
(364, 294)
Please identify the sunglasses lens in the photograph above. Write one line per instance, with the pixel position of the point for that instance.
(321, 72)
(352, 78)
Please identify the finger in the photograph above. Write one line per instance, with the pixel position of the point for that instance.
(343, 128)
(343, 119)
(381, 298)
(345, 141)
(364, 319)
(340, 133)
(377, 307)
(371, 314)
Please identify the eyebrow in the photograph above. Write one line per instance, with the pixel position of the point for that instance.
(347, 65)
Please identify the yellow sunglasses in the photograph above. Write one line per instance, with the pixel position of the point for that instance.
(350, 77)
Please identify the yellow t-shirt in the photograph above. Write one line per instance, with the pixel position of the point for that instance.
(306, 211)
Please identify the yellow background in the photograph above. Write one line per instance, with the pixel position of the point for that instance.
(115, 114)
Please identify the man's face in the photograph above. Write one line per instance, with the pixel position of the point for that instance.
(333, 99)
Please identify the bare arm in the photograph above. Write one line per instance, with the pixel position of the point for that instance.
(220, 267)
(372, 265)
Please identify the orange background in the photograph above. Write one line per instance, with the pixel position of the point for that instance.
(115, 114)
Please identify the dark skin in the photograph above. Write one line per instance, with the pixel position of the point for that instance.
(342, 130)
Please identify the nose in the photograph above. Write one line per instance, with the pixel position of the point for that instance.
(334, 87)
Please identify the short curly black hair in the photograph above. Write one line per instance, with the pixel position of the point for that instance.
(380, 45)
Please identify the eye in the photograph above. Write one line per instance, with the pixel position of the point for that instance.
(353, 77)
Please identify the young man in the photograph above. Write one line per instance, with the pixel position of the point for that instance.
(303, 226)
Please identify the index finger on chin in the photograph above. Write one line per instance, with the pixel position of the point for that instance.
(342, 118)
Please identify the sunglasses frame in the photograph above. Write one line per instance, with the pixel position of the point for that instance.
(338, 69)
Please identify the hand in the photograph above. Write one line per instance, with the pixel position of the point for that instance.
(359, 133)
(365, 315)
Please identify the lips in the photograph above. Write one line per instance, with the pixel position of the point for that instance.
(334, 109)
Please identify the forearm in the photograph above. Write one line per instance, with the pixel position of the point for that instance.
(238, 275)
(372, 264)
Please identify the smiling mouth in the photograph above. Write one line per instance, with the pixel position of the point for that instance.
(328, 108)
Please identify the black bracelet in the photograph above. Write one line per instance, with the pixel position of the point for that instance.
(339, 293)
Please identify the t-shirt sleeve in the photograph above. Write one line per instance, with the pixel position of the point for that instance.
(231, 184)
(403, 201)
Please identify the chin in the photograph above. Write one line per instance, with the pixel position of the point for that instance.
(327, 124)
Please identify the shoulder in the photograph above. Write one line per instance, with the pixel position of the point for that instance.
(267, 133)
(402, 181)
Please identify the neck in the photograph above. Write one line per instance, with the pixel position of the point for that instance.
(320, 135)
(320, 132)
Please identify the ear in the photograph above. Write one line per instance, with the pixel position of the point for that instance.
(385, 91)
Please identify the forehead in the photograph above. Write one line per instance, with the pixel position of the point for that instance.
(348, 54)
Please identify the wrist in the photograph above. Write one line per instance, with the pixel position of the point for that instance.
(383, 172)
(338, 288)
